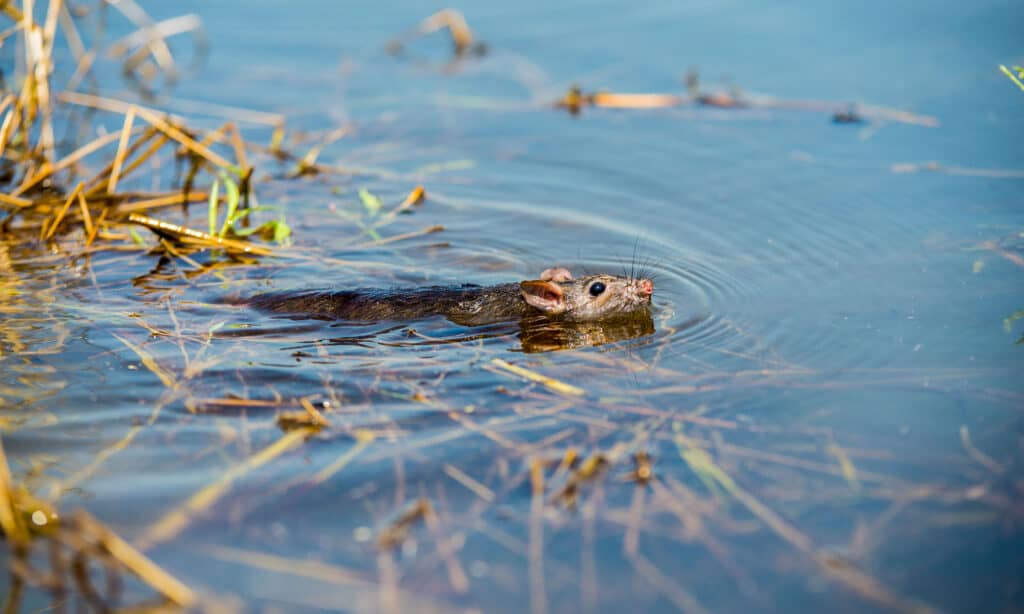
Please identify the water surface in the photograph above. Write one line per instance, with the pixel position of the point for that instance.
(829, 333)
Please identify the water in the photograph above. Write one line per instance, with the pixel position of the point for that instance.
(816, 309)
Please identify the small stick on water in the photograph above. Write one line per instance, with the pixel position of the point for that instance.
(415, 197)
(397, 531)
(408, 235)
(551, 383)
(150, 363)
(977, 455)
(845, 465)
(471, 484)
(610, 100)
(314, 413)
(462, 35)
(1008, 255)
(363, 439)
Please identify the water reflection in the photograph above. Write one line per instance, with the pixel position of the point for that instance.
(552, 335)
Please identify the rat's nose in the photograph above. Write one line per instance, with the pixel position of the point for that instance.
(645, 286)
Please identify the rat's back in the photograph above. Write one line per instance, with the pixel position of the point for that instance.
(467, 303)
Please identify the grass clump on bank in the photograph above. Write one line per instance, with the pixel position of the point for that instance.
(83, 200)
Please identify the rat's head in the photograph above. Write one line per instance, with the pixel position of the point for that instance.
(594, 297)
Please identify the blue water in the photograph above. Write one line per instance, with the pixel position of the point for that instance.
(829, 327)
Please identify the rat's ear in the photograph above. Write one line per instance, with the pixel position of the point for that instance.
(544, 295)
(558, 273)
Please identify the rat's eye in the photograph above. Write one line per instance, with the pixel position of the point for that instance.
(596, 288)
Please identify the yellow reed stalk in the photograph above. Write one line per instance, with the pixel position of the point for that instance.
(48, 234)
(50, 169)
(14, 201)
(122, 147)
(96, 228)
(86, 216)
(138, 563)
(161, 201)
(8, 126)
(150, 363)
(239, 147)
(363, 439)
(533, 376)
(10, 520)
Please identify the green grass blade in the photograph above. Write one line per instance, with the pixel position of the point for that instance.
(212, 210)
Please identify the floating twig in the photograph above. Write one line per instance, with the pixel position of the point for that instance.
(462, 36)
(533, 376)
(398, 529)
(196, 238)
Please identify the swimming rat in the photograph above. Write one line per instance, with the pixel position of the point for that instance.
(555, 295)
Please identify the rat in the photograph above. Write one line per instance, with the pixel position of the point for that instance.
(555, 295)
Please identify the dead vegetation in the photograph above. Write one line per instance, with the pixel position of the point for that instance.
(79, 202)
(576, 100)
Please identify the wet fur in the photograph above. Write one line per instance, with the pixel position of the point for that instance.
(468, 304)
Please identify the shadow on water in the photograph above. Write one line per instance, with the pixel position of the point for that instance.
(548, 336)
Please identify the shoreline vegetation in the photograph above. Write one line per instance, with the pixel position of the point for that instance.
(83, 199)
